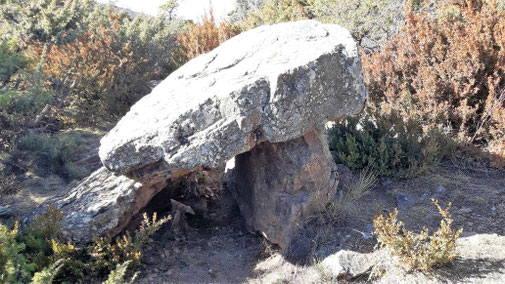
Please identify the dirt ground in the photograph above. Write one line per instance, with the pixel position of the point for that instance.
(230, 254)
(37, 186)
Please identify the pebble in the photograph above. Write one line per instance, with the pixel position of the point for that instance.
(441, 189)
(493, 209)
(212, 273)
(404, 200)
(465, 210)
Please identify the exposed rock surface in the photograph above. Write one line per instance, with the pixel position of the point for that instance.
(274, 83)
(100, 204)
(276, 183)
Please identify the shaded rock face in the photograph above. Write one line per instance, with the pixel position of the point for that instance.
(274, 83)
(275, 184)
(262, 97)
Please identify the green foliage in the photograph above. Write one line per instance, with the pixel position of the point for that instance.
(41, 237)
(244, 7)
(117, 276)
(91, 60)
(387, 144)
(38, 253)
(14, 267)
(276, 11)
(370, 22)
(54, 153)
(54, 21)
(418, 251)
(48, 274)
(11, 61)
(168, 10)
(108, 254)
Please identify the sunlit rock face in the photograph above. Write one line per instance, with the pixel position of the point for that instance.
(274, 83)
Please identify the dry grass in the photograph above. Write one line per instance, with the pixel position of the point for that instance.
(335, 210)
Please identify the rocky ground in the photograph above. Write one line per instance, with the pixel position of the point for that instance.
(229, 254)
(262, 98)
(225, 252)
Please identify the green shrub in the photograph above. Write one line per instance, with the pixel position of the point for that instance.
(118, 275)
(370, 22)
(14, 267)
(55, 153)
(41, 237)
(276, 11)
(38, 253)
(55, 21)
(418, 251)
(94, 60)
(109, 254)
(387, 144)
(11, 61)
(48, 274)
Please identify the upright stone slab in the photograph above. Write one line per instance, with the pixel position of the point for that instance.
(275, 184)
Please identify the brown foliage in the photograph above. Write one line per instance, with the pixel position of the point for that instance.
(447, 72)
(96, 75)
(204, 37)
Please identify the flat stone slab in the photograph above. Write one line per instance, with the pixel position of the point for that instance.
(274, 83)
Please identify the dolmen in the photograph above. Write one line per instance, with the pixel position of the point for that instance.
(258, 103)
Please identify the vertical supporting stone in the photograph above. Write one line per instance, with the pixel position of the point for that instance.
(275, 184)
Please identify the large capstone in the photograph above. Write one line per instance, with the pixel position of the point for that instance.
(262, 97)
(271, 84)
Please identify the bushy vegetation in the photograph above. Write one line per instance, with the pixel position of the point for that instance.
(418, 251)
(437, 65)
(446, 71)
(387, 144)
(370, 22)
(88, 59)
(276, 11)
(203, 37)
(71, 63)
(54, 153)
(38, 255)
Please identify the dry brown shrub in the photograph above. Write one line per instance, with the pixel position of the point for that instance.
(205, 36)
(447, 71)
(96, 75)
